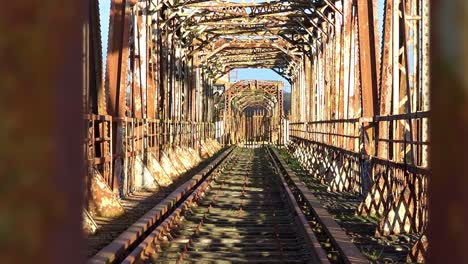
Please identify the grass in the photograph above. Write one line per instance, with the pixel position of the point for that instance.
(372, 254)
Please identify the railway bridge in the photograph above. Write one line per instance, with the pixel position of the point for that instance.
(150, 149)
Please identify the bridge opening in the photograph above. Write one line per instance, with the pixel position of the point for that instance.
(257, 125)
(154, 131)
(171, 96)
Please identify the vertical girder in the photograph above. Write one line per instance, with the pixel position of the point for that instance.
(44, 72)
(445, 73)
(117, 57)
(368, 68)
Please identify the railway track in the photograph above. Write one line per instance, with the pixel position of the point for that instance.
(245, 207)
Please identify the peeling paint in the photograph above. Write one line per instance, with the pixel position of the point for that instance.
(102, 201)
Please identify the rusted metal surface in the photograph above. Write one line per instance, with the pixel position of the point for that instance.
(399, 192)
(448, 129)
(368, 70)
(100, 199)
(41, 80)
(117, 55)
(360, 100)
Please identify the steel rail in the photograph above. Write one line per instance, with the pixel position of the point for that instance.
(140, 241)
(118, 249)
(199, 195)
(348, 252)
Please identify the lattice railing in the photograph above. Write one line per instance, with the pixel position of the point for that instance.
(136, 137)
(393, 182)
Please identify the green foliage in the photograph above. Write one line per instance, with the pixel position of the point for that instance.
(373, 254)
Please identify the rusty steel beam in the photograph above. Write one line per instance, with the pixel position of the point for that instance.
(448, 129)
(116, 79)
(117, 56)
(151, 99)
(41, 80)
(96, 102)
(368, 67)
(385, 85)
(137, 68)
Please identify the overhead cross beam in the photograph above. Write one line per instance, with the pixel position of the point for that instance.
(205, 27)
